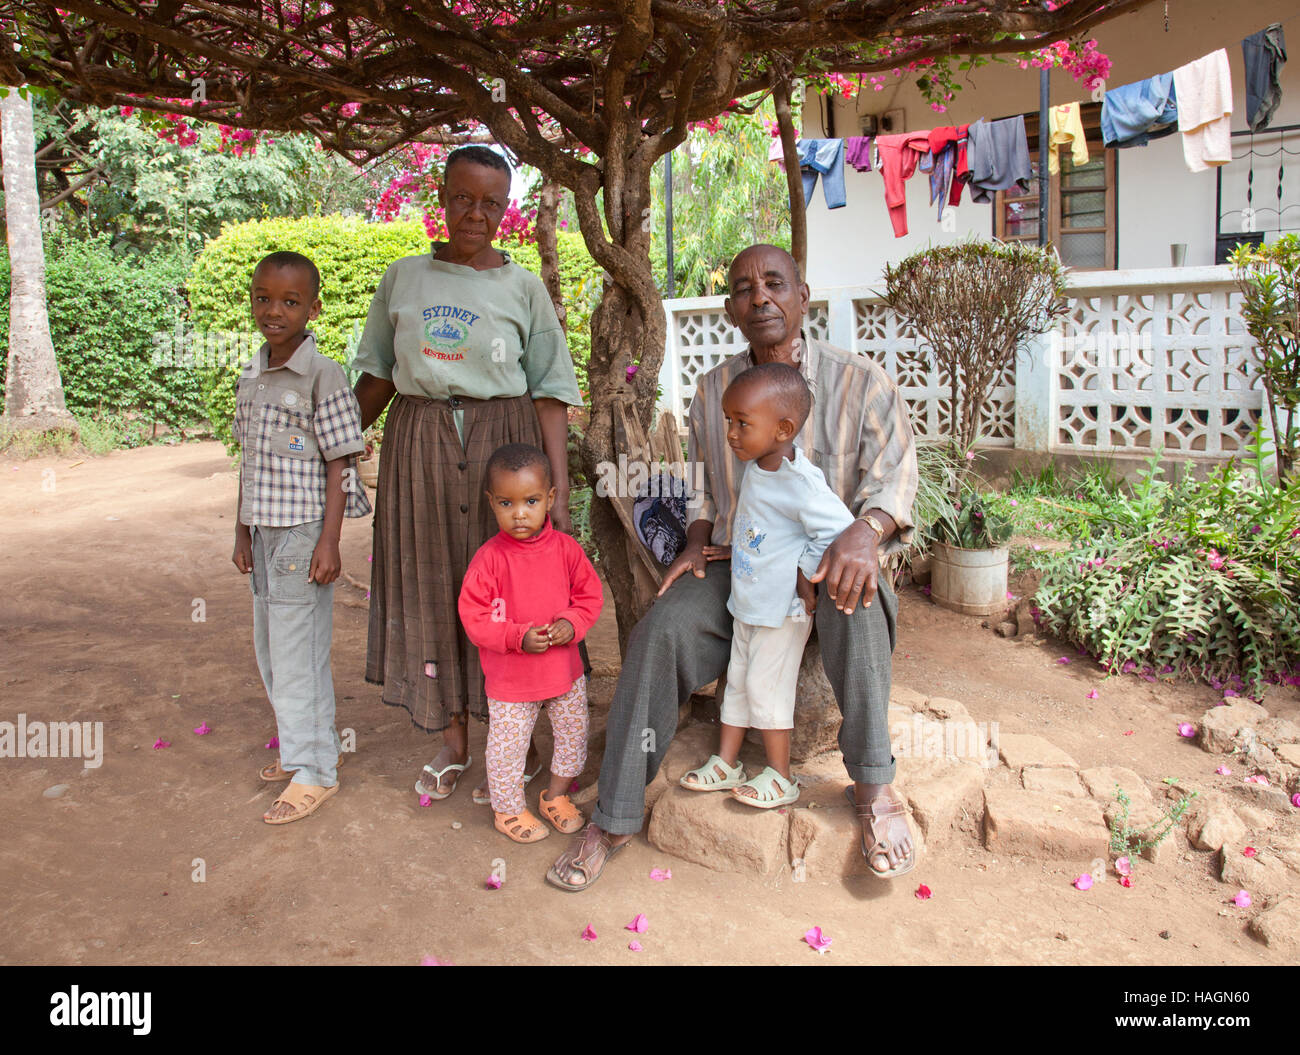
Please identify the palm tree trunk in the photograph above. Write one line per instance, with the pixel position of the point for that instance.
(33, 389)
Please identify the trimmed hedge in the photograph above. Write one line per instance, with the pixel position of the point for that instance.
(352, 256)
(109, 312)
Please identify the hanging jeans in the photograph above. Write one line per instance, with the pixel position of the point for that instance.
(824, 157)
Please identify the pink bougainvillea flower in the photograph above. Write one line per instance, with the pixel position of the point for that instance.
(1186, 729)
(1125, 880)
(1229, 692)
(493, 882)
(1224, 771)
(970, 456)
(634, 945)
(639, 924)
(924, 893)
(426, 800)
(1083, 882)
(1123, 866)
(1241, 899)
(631, 371)
(433, 961)
(660, 874)
(1257, 778)
(1063, 659)
(1249, 851)
(588, 934)
(1128, 732)
(1037, 546)
(926, 589)
(817, 940)
(202, 729)
(273, 744)
(160, 743)
(1295, 800)
(1129, 667)
(1093, 695)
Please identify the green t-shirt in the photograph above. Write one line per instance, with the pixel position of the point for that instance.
(437, 330)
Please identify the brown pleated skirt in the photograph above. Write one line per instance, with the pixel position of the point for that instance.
(431, 516)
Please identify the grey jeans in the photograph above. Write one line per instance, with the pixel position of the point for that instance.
(684, 642)
(293, 621)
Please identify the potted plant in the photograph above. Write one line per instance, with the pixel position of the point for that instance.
(968, 568)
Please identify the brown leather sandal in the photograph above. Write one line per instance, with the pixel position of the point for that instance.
(587, 854)
(305, 799)
(878, 814)
(271, 772)
(560, 812)
(521, 827)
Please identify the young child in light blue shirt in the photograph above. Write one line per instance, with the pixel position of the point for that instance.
(786, 517)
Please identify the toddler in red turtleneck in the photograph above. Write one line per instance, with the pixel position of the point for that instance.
(529, 596)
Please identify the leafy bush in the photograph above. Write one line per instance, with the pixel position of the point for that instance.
(352, 256)
(105, 309)
(1199, 579)
(975, 521)
(581, 283)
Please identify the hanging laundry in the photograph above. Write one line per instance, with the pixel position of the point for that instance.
(899, 155)
(1066, 129)
(776, 152)
(999, 157)
(948, 145)
(1134, 114)
(1265, 55)
(857, 152)
(823, 157)
(1204, 90)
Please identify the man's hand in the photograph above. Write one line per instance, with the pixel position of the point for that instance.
(691, 559)
(850, 567)
(559, 632)
(535, 640)
(325, 562)
(243, 555)
(807, 593)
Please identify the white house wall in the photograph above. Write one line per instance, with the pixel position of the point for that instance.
(1159, 202)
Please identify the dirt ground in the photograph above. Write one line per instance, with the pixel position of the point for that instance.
(103, 565)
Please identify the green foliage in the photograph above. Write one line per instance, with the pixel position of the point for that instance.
(1127, 841)
(105, 309)
(1199, 579)
(581, 285)
(974, 521)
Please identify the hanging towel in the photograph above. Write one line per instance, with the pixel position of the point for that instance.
(857, 152)
(898, 158)
(1066, 129)
(1134, 114)
(823, 157)
(1265, 55)
(999, 157)
(940, 140)
(1204, 90)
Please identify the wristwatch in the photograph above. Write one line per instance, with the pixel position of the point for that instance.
(874, 524)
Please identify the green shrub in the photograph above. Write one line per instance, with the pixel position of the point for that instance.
(580, 281)
(105, 309)
(976, 521)
(352, 256)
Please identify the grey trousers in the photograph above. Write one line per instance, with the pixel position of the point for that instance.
(293, 622)
(684, 642)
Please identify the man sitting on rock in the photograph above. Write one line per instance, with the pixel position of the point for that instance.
(858, 434)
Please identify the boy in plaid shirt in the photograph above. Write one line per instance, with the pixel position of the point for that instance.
(299, 427)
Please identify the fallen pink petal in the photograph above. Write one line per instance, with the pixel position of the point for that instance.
(640, 925)
(1257, 778)
(661, 874)
(1186, 729)
(160, 743)
(1241, 899)
(588, 934)
(1063, 659)
(1084, 882)
(273, 744)
(634, 945)
(493, 882)
(1125, 880)
(433, 961)
(1224, 771)
(426, 800)
(1249, 851)
(1128, 732)
(924, 893)
(1093, 695)
(202, 729)
(817, 940)
(1295, 800)
(1123, 866)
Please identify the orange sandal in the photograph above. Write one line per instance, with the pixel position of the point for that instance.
(521, 827)
(562, 814)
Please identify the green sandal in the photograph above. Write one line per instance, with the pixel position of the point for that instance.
(707, 779)
(766, 798)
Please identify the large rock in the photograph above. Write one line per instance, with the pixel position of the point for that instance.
(816, 714)
(1278, 731)
(902, 696)
(1054, 781)
(711, 829)
(958, 739)
(947, 802)
(1034, 824)
(691, 747)
(1101, 782)
(1279, 927)
(828, 842)
(1259, 875)
(1221, 728)
(1288, 753)
(1020, 749)
(1215, 826)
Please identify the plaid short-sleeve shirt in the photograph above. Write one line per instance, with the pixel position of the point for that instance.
(290, 420)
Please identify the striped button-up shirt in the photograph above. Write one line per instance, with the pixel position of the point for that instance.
(289, 421)
(858, 434)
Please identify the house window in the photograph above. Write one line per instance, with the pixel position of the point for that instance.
(1081, 202)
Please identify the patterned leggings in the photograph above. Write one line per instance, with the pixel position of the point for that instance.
(510, 726)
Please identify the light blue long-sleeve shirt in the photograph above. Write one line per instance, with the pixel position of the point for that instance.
(785, 520)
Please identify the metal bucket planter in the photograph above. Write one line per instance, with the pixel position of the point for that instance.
(369, 470)
(969, 581)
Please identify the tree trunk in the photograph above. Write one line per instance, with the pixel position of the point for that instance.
(793, 181)
(548, 203)
(33, 389)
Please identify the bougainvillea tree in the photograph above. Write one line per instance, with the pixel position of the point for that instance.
(589, 93)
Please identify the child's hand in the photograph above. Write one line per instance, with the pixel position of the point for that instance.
(717, 552)
(807, 593)
(325, 562)
(559, 632)
(536, 640)
(243, 555)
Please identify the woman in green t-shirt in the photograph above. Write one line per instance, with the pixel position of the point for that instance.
(466, 346)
